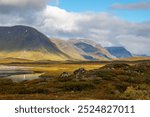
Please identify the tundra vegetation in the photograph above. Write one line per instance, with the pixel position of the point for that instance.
(114, 80)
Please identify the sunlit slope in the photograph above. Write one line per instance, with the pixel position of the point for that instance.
(32, 55)
(83, 49)
(28, 43)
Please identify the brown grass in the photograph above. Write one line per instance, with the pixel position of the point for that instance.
(113, 81)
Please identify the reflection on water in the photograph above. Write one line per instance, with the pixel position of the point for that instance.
(5, 67)
(19, 78)
(17, 73)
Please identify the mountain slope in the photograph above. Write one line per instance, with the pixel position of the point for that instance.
(119, 52)
(82, 49)
(27, 43)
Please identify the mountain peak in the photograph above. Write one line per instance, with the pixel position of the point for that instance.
(119, 52)
(24, 38)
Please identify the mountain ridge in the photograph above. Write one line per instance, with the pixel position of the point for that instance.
(83, 49)
(119, 52)
(24, 39)
(25, 42)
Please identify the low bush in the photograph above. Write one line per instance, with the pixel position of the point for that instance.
(5, 81)
(78, 86)
(138, 92)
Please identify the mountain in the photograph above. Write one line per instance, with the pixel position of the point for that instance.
(119, 52)
(27, 43)
(140, 55)
(81, 49)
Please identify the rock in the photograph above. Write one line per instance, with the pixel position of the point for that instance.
(116, 92)
(79, 72)
(65, 75)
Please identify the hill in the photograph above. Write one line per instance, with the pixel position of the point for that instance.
(27, 43)
(81, 49)
(119, 52)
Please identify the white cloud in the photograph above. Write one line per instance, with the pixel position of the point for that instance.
(104, 28)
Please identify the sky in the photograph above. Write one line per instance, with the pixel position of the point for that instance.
(107, 22)
(108, 6)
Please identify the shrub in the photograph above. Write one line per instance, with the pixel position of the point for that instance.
(117, 66)
(138, 92)
(121, 87)
(21, 89)
(78, 86)
(106, 74)
(5, 81)
(38, 90)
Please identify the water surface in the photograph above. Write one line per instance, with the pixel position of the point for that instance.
(18, 73)
(23, 77)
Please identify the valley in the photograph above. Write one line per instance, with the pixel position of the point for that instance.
(34, 66)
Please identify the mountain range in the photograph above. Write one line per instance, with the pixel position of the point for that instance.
(82, 49)
(25, 42)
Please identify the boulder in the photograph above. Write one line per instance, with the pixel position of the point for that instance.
(64, 75)
(79, 72)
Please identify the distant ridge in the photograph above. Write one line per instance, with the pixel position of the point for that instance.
(119, 52)
(83, 49)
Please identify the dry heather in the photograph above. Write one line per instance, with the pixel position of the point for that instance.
(112, 81)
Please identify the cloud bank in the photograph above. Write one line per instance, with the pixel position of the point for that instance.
(103, 28)
(133, 6)
(7, 6)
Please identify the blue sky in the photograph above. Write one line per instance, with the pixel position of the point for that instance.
(137, 15)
